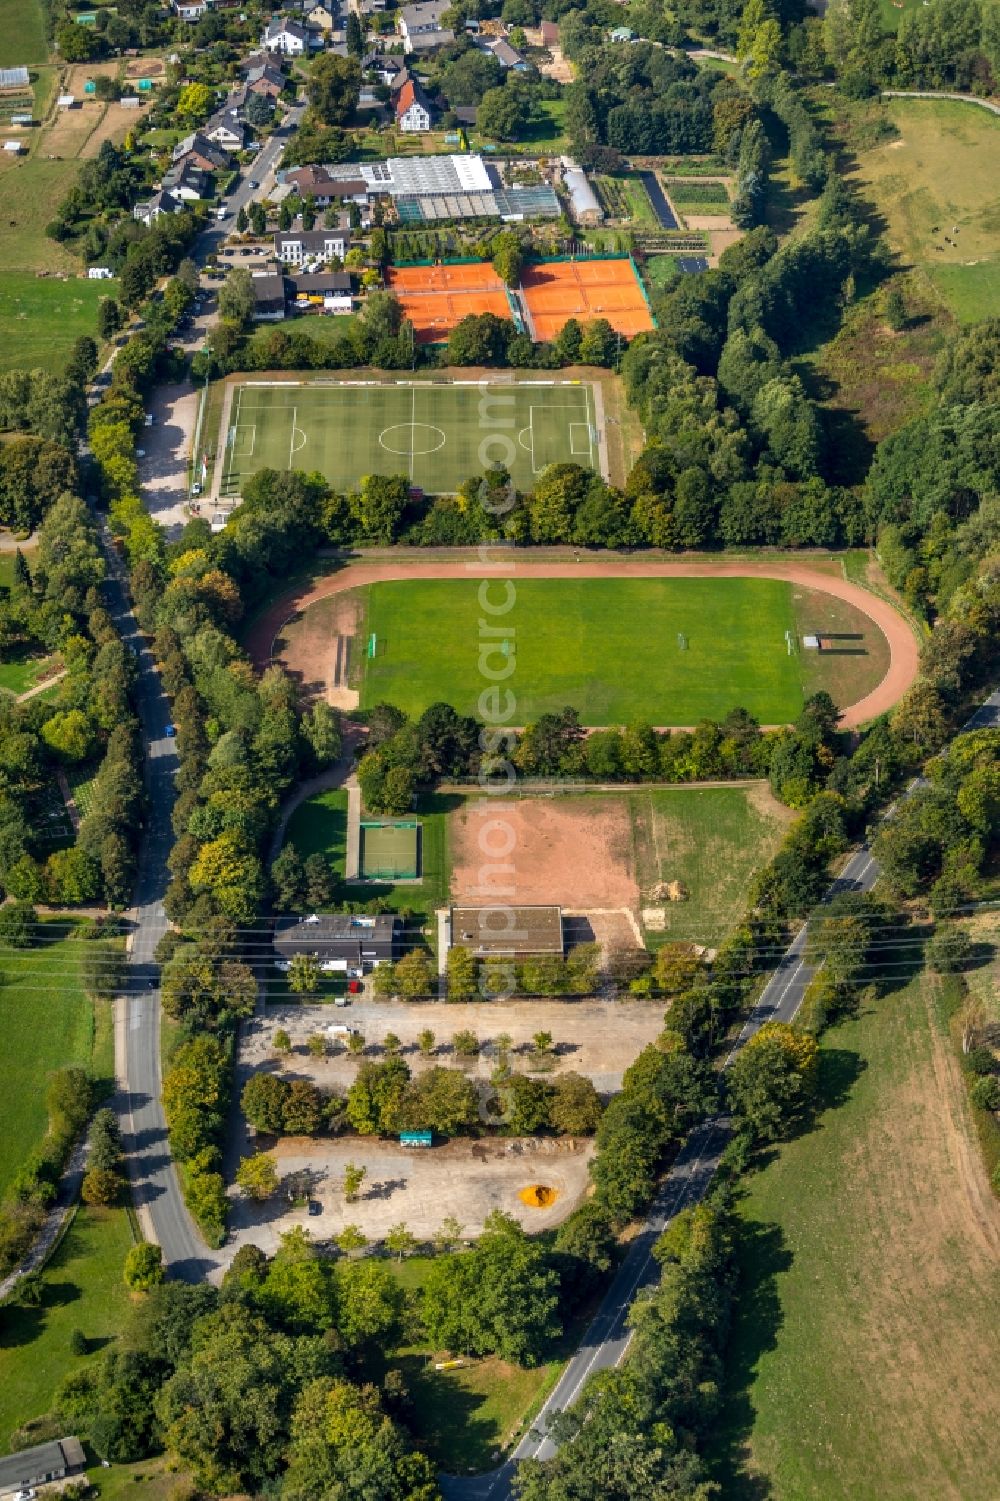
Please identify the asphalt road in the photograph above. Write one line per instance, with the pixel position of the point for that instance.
(606, 1342)
(155, 1188)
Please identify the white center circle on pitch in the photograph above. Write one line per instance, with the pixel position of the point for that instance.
(422, 436)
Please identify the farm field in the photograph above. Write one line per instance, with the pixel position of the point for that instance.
(46, 1022)
(436, 435)
(42, 317)
(610, 648)
(936, 186)
(870, 1294)
(83, 1290)
(22, 33)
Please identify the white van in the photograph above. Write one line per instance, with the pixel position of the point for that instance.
(222, 213)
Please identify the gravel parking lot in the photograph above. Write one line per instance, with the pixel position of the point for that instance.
(596, 1038)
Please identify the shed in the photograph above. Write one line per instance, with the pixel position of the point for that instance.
(13, 147)
(66, 101)
(507, 931)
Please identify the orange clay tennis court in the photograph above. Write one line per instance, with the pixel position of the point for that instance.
(584, 290)
(436, 298)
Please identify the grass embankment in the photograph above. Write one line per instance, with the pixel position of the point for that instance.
(46, 1023)
(935, 185)
(83, 1290)
(869, 1310)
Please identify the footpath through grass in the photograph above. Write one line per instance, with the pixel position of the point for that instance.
(868, 1316)
(46, 1023)
(666, 651)
(83, 1290)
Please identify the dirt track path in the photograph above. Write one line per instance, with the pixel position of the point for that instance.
(903, 645)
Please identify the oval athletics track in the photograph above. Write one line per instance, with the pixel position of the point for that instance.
(904, 649)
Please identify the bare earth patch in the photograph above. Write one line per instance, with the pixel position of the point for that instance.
(419, 1187)
(574, 851)
(316, 646)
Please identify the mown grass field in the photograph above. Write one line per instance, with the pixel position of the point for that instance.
(83, 1290)
(712, 840)
(608, 647)
(319, 826)
(22, 33)
(868, 1314)
(42, 317)
(936, 187)
(46, 1023)
(31, 190)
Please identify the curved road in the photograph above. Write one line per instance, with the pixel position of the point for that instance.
(607, 1339)
(904, 650)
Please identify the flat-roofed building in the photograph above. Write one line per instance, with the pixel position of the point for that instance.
(507, 931)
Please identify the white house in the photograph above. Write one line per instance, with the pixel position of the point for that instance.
(293, 247)
(160, 203)
(414, 111)
(286, 37)
(420, 26)
(225, 130)
(99, 273)
(190, 10)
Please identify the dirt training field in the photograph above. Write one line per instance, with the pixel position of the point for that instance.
(902, 644)
(573, 851)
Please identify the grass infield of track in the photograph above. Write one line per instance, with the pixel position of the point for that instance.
(608, 647)
(438, 435)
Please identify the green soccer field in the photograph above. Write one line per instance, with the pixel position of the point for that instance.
(437, 435)
(608, 647)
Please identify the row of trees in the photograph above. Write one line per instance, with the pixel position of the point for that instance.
(56, 606)
(32, 1191)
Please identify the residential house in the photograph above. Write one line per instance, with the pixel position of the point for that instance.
(225, 130)
(622, 34)
(286, 37)
(265, 79)
(399, 80)
(550, 33)
(162, 202)
(204, 153)
(270, 296)
(516, 932)
(189, 10)
(466, 115)
(323, 17)
(330, 290)
(316, 183)
(40, 1465)
(420, 26)
(339, 941)
(187, 182)
(385, 67)
(260, 59)
(414, 111)
(294, 247)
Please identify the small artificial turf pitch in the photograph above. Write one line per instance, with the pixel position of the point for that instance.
(390, 851)
(437, 435)
(663, 651)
